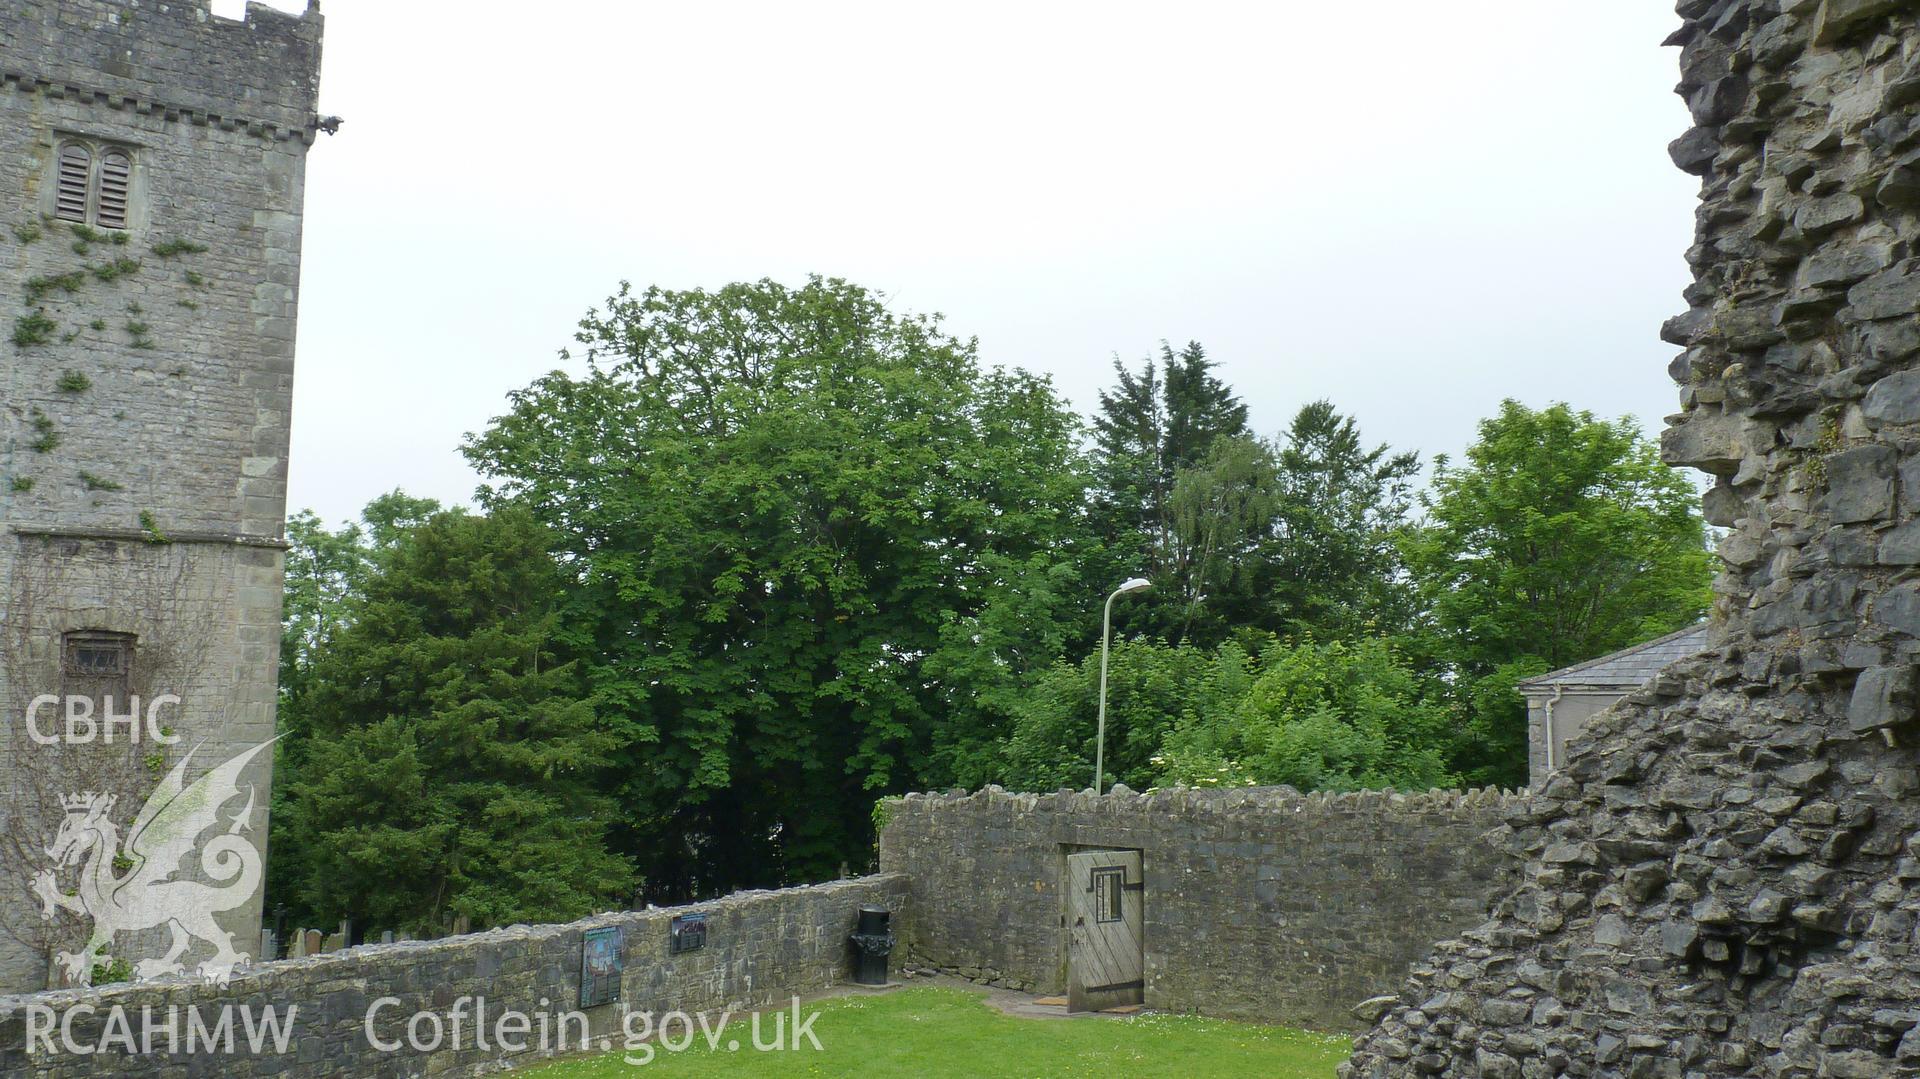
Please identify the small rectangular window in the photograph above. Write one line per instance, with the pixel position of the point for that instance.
(99, 655)
(1108, 884)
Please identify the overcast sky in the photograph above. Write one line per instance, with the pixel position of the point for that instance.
(1413, 209)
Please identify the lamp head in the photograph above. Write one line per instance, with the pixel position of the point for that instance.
(1135, 585)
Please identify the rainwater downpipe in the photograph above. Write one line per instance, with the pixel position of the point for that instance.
(1558, 692)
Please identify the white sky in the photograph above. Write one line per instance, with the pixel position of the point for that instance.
(1412, 208)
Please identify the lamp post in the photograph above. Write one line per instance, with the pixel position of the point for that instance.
(1106, 641)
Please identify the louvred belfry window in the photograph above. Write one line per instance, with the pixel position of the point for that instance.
(93, 184)
(76, 169)
(116, 176)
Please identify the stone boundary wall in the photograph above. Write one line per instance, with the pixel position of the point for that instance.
(1261, 903)
(761, 948)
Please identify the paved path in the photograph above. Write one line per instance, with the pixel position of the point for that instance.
(1007, 1001)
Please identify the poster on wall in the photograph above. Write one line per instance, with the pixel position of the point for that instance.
(687, 933)
(600, 966)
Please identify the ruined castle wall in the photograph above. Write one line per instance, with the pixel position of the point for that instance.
(1259, 904)
(146, 374)
(1723, 882)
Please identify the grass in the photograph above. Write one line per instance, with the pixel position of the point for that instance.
(936, 1033)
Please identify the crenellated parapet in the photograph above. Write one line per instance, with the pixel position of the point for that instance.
(173, 59)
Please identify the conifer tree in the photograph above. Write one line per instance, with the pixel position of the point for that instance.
(451, 759)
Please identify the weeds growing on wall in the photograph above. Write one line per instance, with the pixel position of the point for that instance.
(46, 435)
(175, 247)
(150, 529)
(33, 329)
(36, 327)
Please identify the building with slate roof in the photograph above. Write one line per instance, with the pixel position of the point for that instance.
(1560, 703)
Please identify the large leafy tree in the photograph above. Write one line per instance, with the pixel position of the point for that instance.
(1032, 611)
(1562, 537)
(450, 757)
(323, 569)
(1152, 688)
(1339, 715)
(779, 504)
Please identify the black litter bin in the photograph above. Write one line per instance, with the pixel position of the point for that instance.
(872, 944)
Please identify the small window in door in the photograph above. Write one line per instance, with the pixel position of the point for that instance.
(1108, 883)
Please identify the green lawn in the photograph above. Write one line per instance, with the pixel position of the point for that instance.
(948, 1032)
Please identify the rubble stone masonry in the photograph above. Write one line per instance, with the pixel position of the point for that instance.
(1260, 903)
(1723, 878)
(147, 305)
(394, 1011)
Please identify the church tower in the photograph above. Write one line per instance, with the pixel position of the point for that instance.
(152, 170)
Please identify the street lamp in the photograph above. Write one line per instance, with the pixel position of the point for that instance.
(1106, 641)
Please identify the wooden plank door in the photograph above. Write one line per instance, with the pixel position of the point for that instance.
(1105, 957)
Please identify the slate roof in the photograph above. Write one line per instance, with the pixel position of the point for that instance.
(1629, 668)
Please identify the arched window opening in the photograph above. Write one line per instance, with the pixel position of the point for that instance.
(116, 179)
(76, 171)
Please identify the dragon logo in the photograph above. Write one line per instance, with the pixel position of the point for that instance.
(142, 896)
